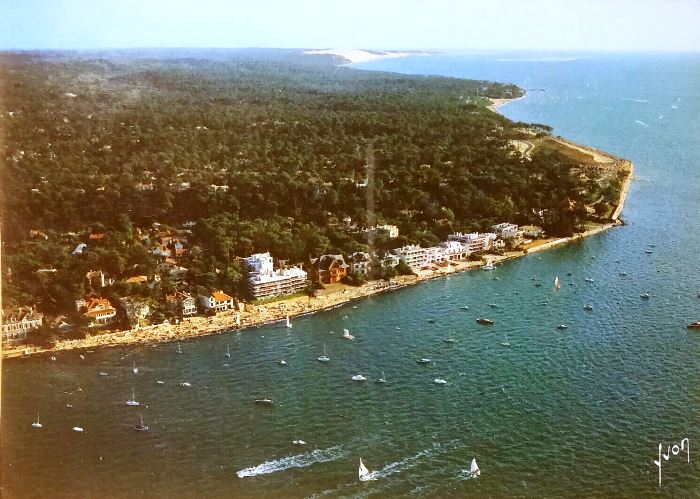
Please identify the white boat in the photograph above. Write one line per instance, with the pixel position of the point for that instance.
(37, 424)
(347, 335)
(82, 357)
(289, 324)
(562, 326)
(102, 373)
(141, 426)
(265, 401)
(358, 377)
(160, 382)
(186, 384)
(238, 319)
(324, 357)
(53, 357)
(135, 369)
(381, 380)
(488, 265)
(448, 340)
(179, 349)
(588, 279)
(505, 341)
(281, 362)
(645, 296)
(557, 284)
(439, 381)
(364, 473)
(79, 429)
(424, 360)
(299, 442)
(132, 401)
(228, 351)
(474, 470)
(588, 307)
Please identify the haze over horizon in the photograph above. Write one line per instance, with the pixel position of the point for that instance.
(625, 25)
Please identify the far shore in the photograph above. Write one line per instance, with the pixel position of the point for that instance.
(333, 296)
(357, 55)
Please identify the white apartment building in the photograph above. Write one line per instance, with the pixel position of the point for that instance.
(265, 282)
(474, 241)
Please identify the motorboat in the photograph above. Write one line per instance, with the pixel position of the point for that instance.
(186, 384)
(381, 380)
(645, 296)
(486, 322)
(358, 377)
(439, 381)
(298, 442)
(694, 325)
(281, 362)
(562, 326)
(346, 335)
(424, 360)
(588, 307)
(264, 401)
(78, 429)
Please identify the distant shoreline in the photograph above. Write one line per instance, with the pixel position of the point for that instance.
(357, 55)
(259, 315)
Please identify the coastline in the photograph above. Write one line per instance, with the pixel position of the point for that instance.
(352, 56)
(336, 296)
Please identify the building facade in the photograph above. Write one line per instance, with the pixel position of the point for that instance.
(265, 282)
(329, 269)
(16, 324)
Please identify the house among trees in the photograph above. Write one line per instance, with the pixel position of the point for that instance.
(17, 323)
(328, 269)
(216, 301)
(98, 311)
(136, 309)
(360, 262)
(183, 303)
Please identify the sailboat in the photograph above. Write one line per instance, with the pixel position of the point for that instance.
(238, 319)
(474, 470)
(132, 401)
(228, 351)
(382, 379)
(289, 324)
(488, 265)
(324, 357)
(135, 369)
(179, 348)
(346, 335)
(557, 285)
(364, 473)
(37, 424)
(141, 426)
(505, 341)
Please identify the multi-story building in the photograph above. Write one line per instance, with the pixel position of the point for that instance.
(455, 250)
(474, 241)
(360, 262)
(391, 230)
(329, 269)
(16, 324)
(506, 230)
(413, 256)
(265, 282)
(99, 311)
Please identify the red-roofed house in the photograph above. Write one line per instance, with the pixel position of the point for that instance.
(97, 310)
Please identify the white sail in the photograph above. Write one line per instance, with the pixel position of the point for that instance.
(238, 319)
(289, 324)
(556, 282)
(363, 472)
(474, 469)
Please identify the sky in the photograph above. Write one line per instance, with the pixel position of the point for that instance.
(624, 25)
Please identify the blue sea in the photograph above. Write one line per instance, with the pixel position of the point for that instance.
(559, 413)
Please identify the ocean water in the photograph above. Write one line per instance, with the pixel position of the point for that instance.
(560, 413)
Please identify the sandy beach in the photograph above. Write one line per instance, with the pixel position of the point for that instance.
(357, 55)
(333, 296)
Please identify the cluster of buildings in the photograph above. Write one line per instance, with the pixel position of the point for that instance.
(263, 280)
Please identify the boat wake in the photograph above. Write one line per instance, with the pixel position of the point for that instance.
(640, 122)
(643, 101)
(297, 461)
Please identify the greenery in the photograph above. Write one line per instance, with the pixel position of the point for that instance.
(266, 150)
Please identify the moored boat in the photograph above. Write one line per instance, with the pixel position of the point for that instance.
(694, 325)
(487, 322)
(265, 401)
